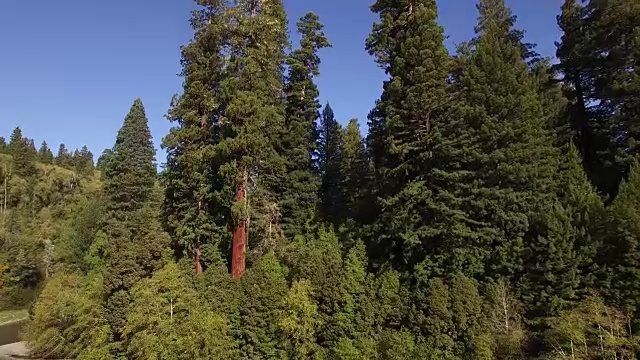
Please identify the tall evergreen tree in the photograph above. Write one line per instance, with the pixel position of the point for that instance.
(194, 195)
(63, 158)
(619, 255)
(254, 123)
(262, 298)
(3, 145)
(83, 160)
(131, 174)
(44, 154)
(329, 152)
(299, 198)
(598, 60)
(509, 148)
(354, 175)
(103, 160)
(412, 143)
(586, 210)
(24, 155)
(136, 244)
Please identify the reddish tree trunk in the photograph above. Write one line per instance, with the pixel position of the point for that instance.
(240, 234)
(198, 266)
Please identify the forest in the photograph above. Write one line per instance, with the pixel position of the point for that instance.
(490, 211)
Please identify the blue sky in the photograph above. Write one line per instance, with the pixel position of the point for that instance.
(70, 69)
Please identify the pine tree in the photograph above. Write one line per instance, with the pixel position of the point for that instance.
(195, 196)
(449, 316)
(254, 125)
(354, 175)
(136, 243)
(620, 275)
(44, 154)
(24, 156)
(551, 264)
(83, 160)
(509, 148)
(580, 121)
(598, 59)
(264, 289)
(3, 145)
(300, 321)
(103, 161)
(131, 174)
(63, 158)
(299, 198)
(329, 153)
(615, 47)
(414, 145)
(586, 209)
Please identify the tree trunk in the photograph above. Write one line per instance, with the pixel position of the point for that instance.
(5, 196)
(197, 261)
(240, 233)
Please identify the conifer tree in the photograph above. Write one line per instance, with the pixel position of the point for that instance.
(299, 200)
(44, 154)
(194, 195)
(103, 160)
(598, 60)
(181, 328)
(63, 158)
(131, 174)
(329, 153)
(136, 243)
(254, 117)
(354, 175)
(586, 209)
(551, 264)
(24, 155)
(264, 289)
(413, 147)
(83, 160)
(3, 145)
(619, 254)
(573, 52)
(300, 321)
(509, 148)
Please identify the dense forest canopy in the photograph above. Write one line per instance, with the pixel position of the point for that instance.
(492, 211)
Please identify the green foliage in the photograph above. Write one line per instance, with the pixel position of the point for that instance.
(590, 331)
(24, 155)
(69, 323)
(598, 59)
(450, 319)
(462, 227)
(167, 321)
(299, 322)
(262, 298)
(45, 155)
(329, 152)
(130, 177)
(299, 197)
(103, 161)
(551, 276)
(618, 255)
(63, 158)
(587, 212)
(193, 200)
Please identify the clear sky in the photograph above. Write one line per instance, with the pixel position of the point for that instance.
(70, 69)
